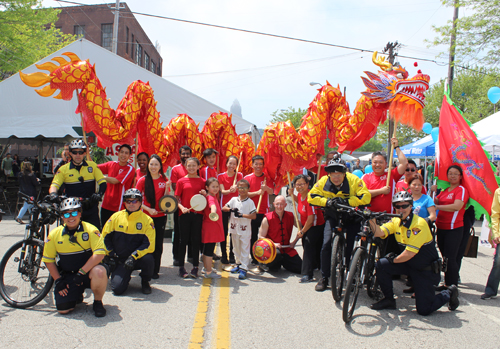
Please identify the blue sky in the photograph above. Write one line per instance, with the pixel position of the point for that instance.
(221, 65)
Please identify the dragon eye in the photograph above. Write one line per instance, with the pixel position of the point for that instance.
(399, 76)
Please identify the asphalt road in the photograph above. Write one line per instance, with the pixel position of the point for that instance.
(267, 310)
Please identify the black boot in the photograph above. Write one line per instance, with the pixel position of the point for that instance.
(146, 289)
(321, 285)
(386, 303)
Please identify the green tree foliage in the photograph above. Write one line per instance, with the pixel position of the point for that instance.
(478, 35)
(27, 34)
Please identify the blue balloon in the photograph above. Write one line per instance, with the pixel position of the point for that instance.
(494, 94)
(427, 128)
(358, 173)
(435, 134)
(368, 169)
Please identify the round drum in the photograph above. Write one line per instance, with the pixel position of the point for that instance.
(168, 203)
(264, 250)
(198, 202)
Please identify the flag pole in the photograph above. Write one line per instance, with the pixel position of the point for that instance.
(391, 156)
(297, 222)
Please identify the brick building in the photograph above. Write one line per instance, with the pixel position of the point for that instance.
(95, 23)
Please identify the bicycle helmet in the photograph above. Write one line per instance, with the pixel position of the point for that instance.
(402, 196)
(70, 204)
(132, 194)
(77, 144)
(336, 165)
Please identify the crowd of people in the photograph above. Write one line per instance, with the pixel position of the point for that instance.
(127, 234)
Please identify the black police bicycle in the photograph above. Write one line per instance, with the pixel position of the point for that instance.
(338, 265)
(365, 255)
(24, 279)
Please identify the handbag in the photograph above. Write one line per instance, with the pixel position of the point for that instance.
(472, 245)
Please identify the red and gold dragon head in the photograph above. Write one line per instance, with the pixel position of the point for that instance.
(405, 95)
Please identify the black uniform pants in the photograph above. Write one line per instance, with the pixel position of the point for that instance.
(190, 227)
(223, 244)
(292, 264)
(255, 232)
(159, 223)
(312, 243)
(449, 243)
(120, 277)
(92, 216)
(105, 215)
(469, 219)
(426, 299)
(176, 239)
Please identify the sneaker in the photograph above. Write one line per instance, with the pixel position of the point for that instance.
(235, 270)
(454, 301)
(321, 285)
(183, 273)
(243, 274)
(177, 263)
(194, 273)
(212, 275)
(155, 276)
(224, 260)
(146, 289)
(305, 279)
(385, 303)
(487, 296)
(99, 310)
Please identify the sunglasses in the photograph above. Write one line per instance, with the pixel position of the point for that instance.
(74, 152)
(410, 169)
(402, 207)
(131, 201)
(72, 214)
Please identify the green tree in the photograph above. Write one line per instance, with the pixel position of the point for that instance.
(27, 34)
(478, 35)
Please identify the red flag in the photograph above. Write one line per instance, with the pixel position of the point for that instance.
(458, 145)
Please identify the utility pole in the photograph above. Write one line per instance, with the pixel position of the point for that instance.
(390, 49)
(114, 46)
(451, 64)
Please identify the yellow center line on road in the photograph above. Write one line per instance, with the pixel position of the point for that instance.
(222, 319)
(200, 319)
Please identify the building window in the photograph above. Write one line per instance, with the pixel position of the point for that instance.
(159, 70)
(153, 66)
(132, 45)
(146, 61)
(106, 35)
(138, 55)
(126, 41)
(79, 31)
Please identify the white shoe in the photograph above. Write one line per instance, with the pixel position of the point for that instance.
(212, 275)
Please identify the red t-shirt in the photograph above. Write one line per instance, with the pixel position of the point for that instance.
(305, 210)
(402, 185)
(255, 183)
(322, 172)
(186, 188)
(178, 171)
(281, 233)
(139, 174)
(212, 231)
(113, 198)
(159, 185)
(451, 220)
(381, 202)
(208, 172)
(227, 182)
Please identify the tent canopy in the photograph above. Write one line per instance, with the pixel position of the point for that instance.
(25, 114)
(419, 149)
(488, 132)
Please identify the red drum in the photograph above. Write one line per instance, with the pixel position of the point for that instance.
(264, 250)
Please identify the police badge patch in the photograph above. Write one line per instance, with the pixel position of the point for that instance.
(85, 236)
(90, 169)
(408, 233)
(138, 226)
(416, 231)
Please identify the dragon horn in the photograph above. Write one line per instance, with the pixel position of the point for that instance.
(381, 62)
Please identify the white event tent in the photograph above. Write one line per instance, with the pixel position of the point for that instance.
(488, 132)
(25, 114)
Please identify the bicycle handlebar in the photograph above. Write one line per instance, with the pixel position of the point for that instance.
(366, 214)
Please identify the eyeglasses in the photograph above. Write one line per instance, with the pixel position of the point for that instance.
(131, 201)
(402, 207)
(410, 169)
(74, 152)
(68, 214)
(300, 184)
(242, 188)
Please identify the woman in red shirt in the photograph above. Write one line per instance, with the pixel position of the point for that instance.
(142, 161)
(212, 231)
(450, 221)
(190, 221)
(153, 186)
(228, 190)
(313, 225)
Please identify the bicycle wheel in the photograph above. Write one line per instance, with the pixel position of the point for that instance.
(372, 286)
(337, 269)
(24, 280)
(354, 284)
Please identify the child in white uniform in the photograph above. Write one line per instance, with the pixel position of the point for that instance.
(242, 212)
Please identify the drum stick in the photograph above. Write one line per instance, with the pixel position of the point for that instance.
(237, 168)
(136, 148)
(293, 204)
(260, 198)
(319, 169)
(391, 156)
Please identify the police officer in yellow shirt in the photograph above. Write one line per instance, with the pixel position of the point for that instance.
(129, 238)
(80, 177)
(418, 259)
(73, 253)
(344, 188)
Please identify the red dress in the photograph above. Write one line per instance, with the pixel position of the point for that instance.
(212, 231)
